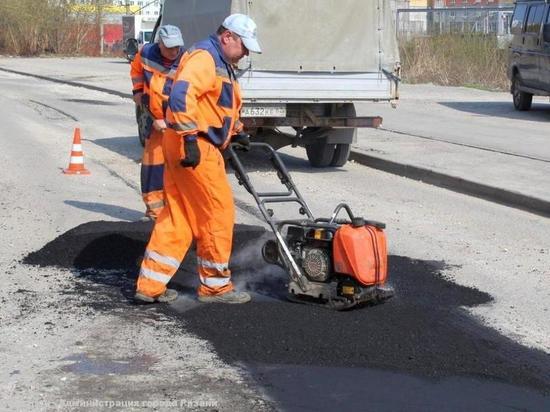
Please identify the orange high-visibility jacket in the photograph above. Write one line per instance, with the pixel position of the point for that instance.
(206, 98)
(152, 75)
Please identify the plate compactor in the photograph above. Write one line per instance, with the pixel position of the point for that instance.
(332, 262)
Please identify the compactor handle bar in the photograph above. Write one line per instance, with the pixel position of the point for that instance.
(356, 221)
(263, 198)
(290, 195)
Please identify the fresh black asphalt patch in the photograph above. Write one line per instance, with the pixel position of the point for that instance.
(423, 332)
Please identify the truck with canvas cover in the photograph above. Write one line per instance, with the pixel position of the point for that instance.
(320, 58)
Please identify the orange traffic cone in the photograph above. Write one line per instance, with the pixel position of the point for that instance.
(76, 165)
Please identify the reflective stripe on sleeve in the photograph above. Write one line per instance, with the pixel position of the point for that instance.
(150, 274)
(221, 71)
(183, 126)
(155, 65)
(215, 282)
(156, 205)
(166, 260)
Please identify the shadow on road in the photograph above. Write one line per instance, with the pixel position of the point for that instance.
(540, 112)
(127, 146)
(92, 102)
(253, 161)
(118, 212)
(257, 160)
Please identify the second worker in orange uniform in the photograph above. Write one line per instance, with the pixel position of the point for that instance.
(152, 72)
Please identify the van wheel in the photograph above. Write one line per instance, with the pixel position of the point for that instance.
(320, 153)
(522, 100)
(341, 154)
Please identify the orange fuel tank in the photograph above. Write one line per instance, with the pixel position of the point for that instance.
(361, 252)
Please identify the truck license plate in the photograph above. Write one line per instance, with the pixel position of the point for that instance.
(263, 110)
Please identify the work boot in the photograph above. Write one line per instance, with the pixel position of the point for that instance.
(229, 297)
(169, 295)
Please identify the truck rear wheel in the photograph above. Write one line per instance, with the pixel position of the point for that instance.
(342, 151)
(323, 154)
(141, 125)
(320, 153)
(341, 154)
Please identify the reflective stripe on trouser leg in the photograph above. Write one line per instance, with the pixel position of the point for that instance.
(170, 240)
(212, 275)
(152, 171)
(208, 202)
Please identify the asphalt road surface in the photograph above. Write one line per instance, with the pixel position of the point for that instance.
(468, 329)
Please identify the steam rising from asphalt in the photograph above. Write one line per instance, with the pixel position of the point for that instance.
(250, 273)
(253, 274)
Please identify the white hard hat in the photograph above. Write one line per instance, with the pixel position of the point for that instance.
(244, 27)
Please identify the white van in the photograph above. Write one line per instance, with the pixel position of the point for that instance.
(529, 54)
(145, 36)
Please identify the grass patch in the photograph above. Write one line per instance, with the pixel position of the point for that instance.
(455, 60)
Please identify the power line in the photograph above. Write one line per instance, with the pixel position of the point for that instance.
(127, 5)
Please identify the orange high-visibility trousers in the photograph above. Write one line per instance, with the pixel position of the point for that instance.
(199, 205)
(152, 172)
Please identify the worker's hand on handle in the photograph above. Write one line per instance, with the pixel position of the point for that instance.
(137, 99)
(241, 141)
(159, 125)
(192, 153)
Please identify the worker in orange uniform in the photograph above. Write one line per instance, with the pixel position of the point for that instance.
(152, 72)
(203, 119)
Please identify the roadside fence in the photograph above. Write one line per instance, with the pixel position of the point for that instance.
(414, 22)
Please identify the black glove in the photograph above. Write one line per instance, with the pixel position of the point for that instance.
(192, 153)
(242, 141)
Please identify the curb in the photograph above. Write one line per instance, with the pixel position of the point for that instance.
(456, 184)
(69, 82)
